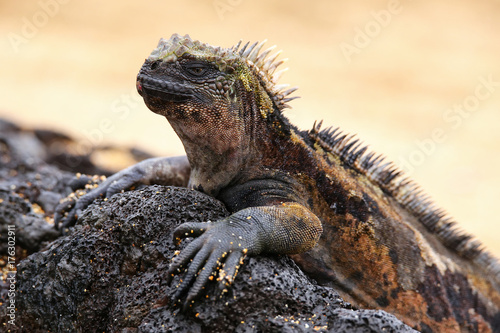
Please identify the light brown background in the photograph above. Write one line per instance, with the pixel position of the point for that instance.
(75, 72)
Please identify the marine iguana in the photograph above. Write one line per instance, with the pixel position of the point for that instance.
(348, 218)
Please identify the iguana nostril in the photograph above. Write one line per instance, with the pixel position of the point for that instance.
(155, 64)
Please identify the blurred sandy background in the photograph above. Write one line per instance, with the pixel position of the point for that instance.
(391, 71)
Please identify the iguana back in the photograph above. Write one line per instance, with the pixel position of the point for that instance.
(386, 246)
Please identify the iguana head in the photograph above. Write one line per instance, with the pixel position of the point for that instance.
(183, 75)
(220, 102)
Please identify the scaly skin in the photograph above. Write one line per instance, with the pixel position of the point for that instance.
(347, 220)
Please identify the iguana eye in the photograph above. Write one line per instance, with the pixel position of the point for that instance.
(196, 68)
(196, 71)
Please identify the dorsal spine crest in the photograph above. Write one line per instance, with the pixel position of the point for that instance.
(394, 182)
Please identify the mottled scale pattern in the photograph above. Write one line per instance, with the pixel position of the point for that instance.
(394, 182)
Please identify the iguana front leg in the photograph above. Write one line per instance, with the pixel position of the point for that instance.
(173, 171)
(280, 229)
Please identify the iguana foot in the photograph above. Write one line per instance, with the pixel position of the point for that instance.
(220, 248)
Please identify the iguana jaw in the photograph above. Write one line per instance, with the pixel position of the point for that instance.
(150, 88)
(160, 92)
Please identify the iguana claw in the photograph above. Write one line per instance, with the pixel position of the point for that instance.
(219, 247)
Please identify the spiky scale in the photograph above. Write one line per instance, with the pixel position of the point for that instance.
(247, 52)
(255, 52)
(276, 75)
(260, 59)
(289, 91)
(270, 61)
(279, 87)
(236, 46)
(288, 99)
(242, 51)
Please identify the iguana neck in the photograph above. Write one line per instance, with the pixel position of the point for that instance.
(226, 149)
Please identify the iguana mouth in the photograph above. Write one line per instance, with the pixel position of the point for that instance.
(167, 91)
